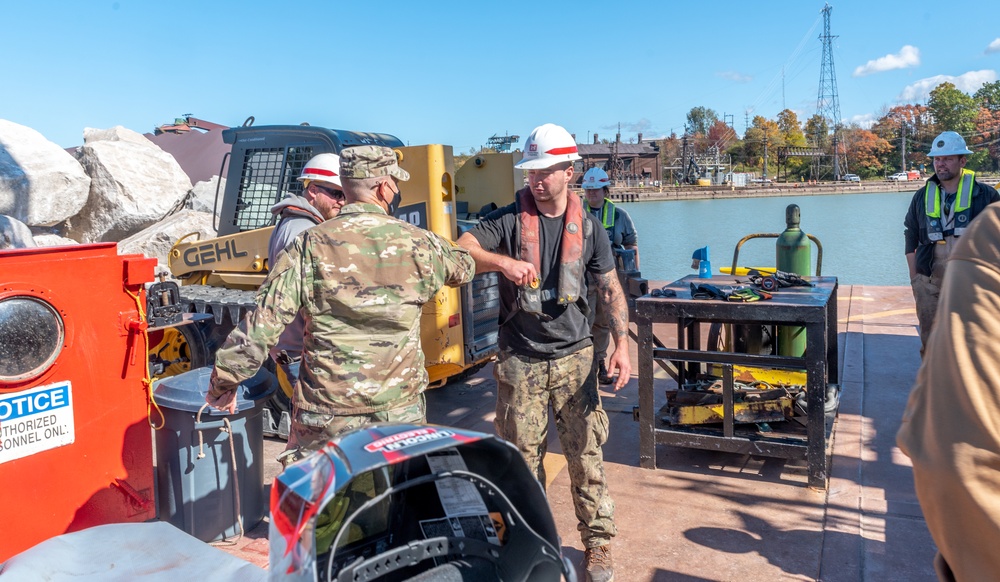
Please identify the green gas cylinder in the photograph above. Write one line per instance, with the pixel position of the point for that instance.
(793, 254)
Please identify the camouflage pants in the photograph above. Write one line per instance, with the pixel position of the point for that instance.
(526, 388)
(310, 431)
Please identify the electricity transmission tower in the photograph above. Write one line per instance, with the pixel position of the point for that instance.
(827, 101)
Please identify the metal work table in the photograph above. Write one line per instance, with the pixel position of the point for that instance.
(813, 308)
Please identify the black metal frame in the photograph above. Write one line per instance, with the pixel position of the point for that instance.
(814, 308)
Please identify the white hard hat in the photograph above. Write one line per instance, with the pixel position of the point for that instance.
(949, 143)
(547, 146)
(595, 178)
(322, 167)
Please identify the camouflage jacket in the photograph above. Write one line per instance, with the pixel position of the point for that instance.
(359, 280)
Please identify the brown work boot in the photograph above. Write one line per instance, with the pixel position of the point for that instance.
(602, 374)
(598, 564)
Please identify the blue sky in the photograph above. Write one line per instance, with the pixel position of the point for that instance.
(458, 72)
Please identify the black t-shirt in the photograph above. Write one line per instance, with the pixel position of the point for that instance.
(568, 330)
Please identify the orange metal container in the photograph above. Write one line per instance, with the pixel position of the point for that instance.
(75, 443)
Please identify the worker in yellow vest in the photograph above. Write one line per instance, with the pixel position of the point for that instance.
(938, 215)
(618, 224)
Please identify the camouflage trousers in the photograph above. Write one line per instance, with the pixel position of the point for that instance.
(526, 388)
(310, 431)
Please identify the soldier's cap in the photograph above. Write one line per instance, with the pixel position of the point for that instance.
(370, 161)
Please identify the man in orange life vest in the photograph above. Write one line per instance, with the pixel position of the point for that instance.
(544, 244)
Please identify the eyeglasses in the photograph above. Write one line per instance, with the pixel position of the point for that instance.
(331, 192)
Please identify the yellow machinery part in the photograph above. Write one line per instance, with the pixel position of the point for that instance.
(242, 257)
(432, 170)
(749, 374)
(743, 412)
(181, 348)
(772, 376)
(487, 178)
(284, 382)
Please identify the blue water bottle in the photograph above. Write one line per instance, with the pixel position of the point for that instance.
(700, 261)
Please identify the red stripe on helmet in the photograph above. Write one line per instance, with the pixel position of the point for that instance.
(560, 151)
(319, 171)
(604, 180)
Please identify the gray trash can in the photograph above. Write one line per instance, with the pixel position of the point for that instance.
(199, 464)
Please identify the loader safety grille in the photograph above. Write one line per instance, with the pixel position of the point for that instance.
(481, 304)
(267, 175)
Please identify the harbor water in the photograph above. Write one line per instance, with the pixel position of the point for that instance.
(861, 234)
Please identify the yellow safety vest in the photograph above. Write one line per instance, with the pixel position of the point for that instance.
(607, 214)
(932, 207)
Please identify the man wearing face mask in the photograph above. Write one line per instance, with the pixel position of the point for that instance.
(359, 281)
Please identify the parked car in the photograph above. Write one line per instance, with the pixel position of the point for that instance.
(850, 178)
(899, 177)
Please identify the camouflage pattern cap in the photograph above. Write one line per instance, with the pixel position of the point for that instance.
(370, 161)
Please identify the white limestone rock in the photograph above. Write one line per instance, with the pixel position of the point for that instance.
(14, 234)
(40, 183)
(116, 133)
(133, 185)
(157, 240)
(53, 240)
(203, 195)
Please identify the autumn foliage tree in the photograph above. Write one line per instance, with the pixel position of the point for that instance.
(867, 153)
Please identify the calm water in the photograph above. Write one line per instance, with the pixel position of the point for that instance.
(862, 234)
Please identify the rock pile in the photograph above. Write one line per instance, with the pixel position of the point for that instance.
(117, 187)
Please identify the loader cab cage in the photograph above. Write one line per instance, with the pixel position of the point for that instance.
(265, 163)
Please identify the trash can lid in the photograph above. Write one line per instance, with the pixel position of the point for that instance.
(187, 391)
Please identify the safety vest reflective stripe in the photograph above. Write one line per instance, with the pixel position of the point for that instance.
(932, 203)
(607, 214)
(932, 207)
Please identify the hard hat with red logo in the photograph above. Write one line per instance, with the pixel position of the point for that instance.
(596, 178)
(547, 146)
(324, 168)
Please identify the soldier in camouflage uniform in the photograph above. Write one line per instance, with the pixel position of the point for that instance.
(544, 244)
(359, 280)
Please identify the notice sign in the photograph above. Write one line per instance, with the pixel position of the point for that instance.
(36, 420)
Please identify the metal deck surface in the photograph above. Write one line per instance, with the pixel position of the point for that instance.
(707, 515)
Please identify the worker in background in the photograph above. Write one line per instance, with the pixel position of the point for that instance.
(322, 198)
(950, 428)
(621, 232)
(938, 215)
(359, 282)
(543, 244)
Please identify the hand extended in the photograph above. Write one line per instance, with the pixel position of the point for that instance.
(520, 272)
(620, 361)
(226, 402)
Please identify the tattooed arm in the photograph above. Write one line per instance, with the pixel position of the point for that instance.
(609, 293)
